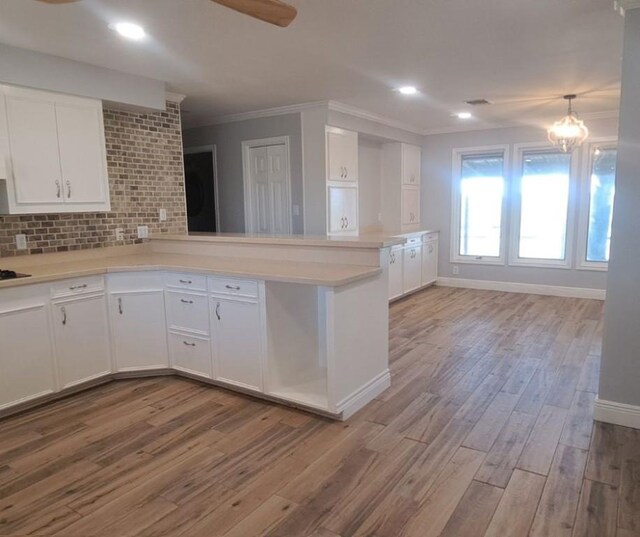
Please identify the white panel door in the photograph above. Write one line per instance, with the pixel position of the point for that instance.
(395, 273)
(269, 177)
(411, 156)
(429, 262)
(82, 340)
(410, 206)
(237, 345)
(82, 153)
(412, 268)
(139, 330)
(278, 188)
(343, 209)
(35, 158)
(26, 358)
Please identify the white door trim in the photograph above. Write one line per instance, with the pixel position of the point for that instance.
(247, 145)
(204, 149)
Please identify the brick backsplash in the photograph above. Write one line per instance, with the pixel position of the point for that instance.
(144, 160)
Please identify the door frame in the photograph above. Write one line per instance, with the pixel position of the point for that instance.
(247, 145)
(214, 155)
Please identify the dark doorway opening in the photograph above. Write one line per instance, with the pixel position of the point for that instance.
(199, 174)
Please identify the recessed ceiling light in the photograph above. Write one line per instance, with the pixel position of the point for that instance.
(408, 90)
(129, 30)
(464, 115)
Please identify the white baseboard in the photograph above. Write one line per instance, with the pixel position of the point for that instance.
(350, 405)
(617, 413)
(530, 288)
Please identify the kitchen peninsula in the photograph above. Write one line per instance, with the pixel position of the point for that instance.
(294, 319)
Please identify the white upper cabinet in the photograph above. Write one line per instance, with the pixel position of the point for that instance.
(54, 154)
(342, 155)
(411, 155)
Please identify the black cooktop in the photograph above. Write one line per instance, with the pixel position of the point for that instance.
(11, 274)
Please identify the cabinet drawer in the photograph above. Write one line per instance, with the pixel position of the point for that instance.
(234, 287)
(187, 311)
(78, 286)
(412, 241)
(190, 354)
(180, 280)
(430, 237)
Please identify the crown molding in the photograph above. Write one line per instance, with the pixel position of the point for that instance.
(174, 97)
(337, 106)
(623, 5)
(256, 114)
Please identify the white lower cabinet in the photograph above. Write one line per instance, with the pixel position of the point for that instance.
(138, 330)
(81, 339)
(237, 342)
(26, 356)
(395, 273)
(191, 354)
(429, 262)
(412, 268)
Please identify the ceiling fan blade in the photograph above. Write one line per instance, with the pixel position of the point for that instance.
(272, 11)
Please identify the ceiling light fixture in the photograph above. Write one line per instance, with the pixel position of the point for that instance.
(569, 132)
(464, 115)
(408, 90)
(129, 30)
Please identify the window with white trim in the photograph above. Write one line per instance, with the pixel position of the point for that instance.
(597, 204)
(479, 193)
(541, 230)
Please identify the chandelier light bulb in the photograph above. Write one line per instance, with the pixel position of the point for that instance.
(569, 132)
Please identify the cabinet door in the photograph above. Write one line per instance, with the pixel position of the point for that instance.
(412, 268)
(342, 155)
(139, 331)
(26, 357)
(190, 354)
(237, 344)
(429, 262)
(82, 153)
(35, 159)
(395, 273)
(410, 206)
(411, 157)
(82, 341)
(343, 209)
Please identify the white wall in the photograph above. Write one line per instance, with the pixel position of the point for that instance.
(436, 205)
(370, 183)
(620, 372)
(228, 138)
(27, 68)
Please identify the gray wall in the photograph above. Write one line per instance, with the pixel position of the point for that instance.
(228, 138)
(436, 205)
(22, 67)
(620, 372)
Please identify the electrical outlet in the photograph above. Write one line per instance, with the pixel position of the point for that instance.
(21, 241)
(162, 215)
(455, 269)
(143, 232)
(119, 234)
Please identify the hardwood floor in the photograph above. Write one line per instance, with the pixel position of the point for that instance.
(486, 431)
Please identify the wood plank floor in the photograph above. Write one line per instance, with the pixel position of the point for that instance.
(486, 431)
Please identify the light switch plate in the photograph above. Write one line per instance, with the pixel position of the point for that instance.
(162, 215)
(143, 232)
(21, 241)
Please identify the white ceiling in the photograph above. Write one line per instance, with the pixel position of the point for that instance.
(521, 55)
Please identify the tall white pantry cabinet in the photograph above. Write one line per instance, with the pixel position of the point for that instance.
(342, 181)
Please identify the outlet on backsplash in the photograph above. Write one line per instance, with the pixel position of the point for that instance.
(162, 215)
(21, 241)
(143, 232)
(119, 234)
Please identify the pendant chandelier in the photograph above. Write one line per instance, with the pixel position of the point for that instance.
(569, 132)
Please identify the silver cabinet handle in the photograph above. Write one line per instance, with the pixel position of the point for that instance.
(68, 188)
(346, 225)
(346, 172)
(184, 301)
(58, 189)
(186, 281)
(342, 223)
(189, 344)
(76, 287)
(218, 311)
(120, 306)
(431, 248)
(64, 315)
(234, 287)
(342, 171)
